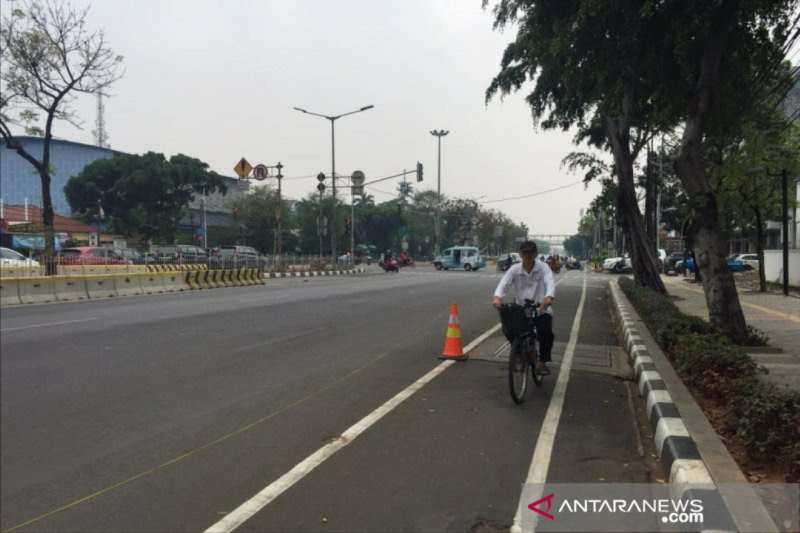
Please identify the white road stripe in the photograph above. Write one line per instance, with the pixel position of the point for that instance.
(284, 483)
(266, 298)
(537, 473)
(49, 324)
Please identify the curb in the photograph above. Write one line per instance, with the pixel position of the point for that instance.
(677, 449)
(278, 275)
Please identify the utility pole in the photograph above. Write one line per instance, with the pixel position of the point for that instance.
(785, 209)
(439, 134)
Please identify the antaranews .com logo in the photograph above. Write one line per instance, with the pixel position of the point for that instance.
(674, 512)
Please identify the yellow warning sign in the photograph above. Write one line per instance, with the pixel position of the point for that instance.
(243, 168)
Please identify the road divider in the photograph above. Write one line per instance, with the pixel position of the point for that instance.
(152, 283)
(70, 288)
(128, 285)
(101, 286)
(35, 290)
(9, 291)
(44, 289)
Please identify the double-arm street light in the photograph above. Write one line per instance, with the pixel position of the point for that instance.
(439, 134)
(333, 120)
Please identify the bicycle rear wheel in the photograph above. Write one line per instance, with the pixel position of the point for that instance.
(518, 370)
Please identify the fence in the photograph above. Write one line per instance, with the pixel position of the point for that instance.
(88, 266)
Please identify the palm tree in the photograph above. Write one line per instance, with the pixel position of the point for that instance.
(365, 199)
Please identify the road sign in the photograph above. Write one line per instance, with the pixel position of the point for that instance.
(320, 187)
(243, 168)
(261, 172)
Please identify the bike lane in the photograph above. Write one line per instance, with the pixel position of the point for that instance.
(455, 455)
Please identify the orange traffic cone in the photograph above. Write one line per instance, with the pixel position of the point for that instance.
(452, 343)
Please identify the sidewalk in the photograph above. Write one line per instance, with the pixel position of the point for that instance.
(776, 315)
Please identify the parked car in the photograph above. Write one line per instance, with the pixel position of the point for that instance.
(466, 257)
(89, 255)
(179, 254)
(672, 261)
(133, 255)
(241, 257)
(736, 266)
(611, 262)
(750, 260)
(10, 258)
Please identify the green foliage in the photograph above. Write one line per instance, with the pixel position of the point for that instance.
(710, 361)
(767, 421)
(143, 195)
(256, 220)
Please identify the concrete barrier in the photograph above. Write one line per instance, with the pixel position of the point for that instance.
(101, 286)
(70, 288)
(235, 277)
(21, 271)
(152, 283)
(258, 275)
(213, 279)
(191, 281)
(34, 290)
(9, 291)
(128, 284)
(173, 281)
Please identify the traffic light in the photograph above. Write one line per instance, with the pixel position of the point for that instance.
(419, 171)
(200, 240)
(235, 212)
(348, 226)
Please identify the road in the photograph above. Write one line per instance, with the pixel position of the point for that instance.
(171, 412)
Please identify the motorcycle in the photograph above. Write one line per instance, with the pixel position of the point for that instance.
(408, 263)
(392, 266)
(574, 266)
(504, 265)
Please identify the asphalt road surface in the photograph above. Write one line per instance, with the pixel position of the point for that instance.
(303, 405)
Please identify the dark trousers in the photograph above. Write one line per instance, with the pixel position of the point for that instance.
(544, 332)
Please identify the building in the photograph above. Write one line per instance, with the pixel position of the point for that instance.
(21, 185)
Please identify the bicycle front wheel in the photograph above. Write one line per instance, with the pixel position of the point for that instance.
(518, 370)
(533, 350)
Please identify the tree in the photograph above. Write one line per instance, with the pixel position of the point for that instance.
(145, 195)
(256, 217)
(572, 51)
(48, 56)
(719, 51)
(629, 69)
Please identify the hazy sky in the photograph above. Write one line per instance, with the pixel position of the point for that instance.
(218, 80)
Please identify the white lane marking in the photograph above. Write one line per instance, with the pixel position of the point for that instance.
(49, 324)
(265, 298)
(540, 464)
(285, 482)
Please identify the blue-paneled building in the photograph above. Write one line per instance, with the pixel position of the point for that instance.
(19, 180)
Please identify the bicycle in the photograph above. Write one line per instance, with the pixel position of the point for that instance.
(519, 329)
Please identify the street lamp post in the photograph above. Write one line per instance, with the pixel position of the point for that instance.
(333, 119)
(439, 134)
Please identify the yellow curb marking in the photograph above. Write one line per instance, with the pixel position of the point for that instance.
(785, 316)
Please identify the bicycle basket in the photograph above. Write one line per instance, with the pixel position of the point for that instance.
(515, 323)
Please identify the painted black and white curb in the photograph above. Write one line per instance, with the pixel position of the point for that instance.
(688, 475)
(304, 274)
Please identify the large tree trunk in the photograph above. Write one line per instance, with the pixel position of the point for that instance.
(643, 258)
(762, 278)
(51, 268)
(724, 309)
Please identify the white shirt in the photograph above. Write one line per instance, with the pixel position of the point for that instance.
(535, 286)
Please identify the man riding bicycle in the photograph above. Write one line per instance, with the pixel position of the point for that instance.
(532, 280)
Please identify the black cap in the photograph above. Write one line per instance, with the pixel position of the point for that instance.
(528, 246)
